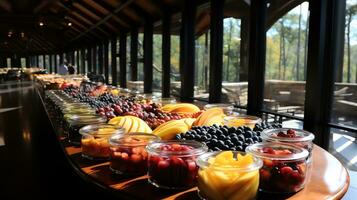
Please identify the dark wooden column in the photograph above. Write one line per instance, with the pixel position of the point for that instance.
(134, 55)
(79, 70)
(122, 52)
(114, 61)
(44, 62)
(242, 74)
(89, 59)
(166, 56)
(105, 61)
(37, 60)
(216, 51)
(100, 58)
(325, 53)
(94, 57)
(257, 44)
(83, 60)
(187, 51)
(148, 53)
(27, 61)
(56, 63)
(51, 64)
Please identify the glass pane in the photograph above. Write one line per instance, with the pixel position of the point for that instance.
(110, 80)
(128, 66)
(286, 54)
(175, 65)
(23, 62)
(201, 64)
(8, 62)
(157, 63)
(234, 77)
(140, 57)
(41, 61)
(344, 111)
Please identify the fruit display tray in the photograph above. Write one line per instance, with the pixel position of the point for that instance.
(329, 179)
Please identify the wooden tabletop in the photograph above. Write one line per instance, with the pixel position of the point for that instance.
(329, 180)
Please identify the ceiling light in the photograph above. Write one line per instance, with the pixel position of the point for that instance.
(41, 23)
(22, 34)
(69, 24)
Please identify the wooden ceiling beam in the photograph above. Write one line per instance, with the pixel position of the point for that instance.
(118, 9)
(80, 20)
(98, 15)
(118, 17)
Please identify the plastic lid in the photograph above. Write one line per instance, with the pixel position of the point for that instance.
(197, 148)
(133, 139)
(101, 130)
(75, 119)
(297, 153)
(203, 162)
(302, 136)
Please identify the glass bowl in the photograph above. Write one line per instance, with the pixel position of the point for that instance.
(227, 108)
(172, 163)
(297, 137)
(241, 120)
(75, 122)
(94, 142)
(128, 154)
(284, 166)
(228, 175)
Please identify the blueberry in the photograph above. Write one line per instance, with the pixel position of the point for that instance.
(216, 149)
(248, 134)
(241, 138)
(255, 138)
(246, 128)
(224, 131)
(225, 126)
(214, 136)
(232, 135)
(232, 130)
(239, 131)
(239, 148)
(222, 137)
(208, 136)
(219, 132)
(194, 132)
(203, 132)
(249, 141)
(178, 137)
(214, 141)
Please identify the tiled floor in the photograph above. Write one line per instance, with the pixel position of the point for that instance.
(344, 148)
(352, 190)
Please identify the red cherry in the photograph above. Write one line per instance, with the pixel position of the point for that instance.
(291, 132)
(268, 150)
(286, 170)
(163, 164)
(191, 165)
(264, 174)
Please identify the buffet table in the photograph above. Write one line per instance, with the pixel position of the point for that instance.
(329, 179)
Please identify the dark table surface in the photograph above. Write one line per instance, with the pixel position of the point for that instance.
(32, 162)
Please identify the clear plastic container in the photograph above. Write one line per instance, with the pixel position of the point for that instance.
(75, 122)
(228, 175)
(172, 163)
(94, 142)
(241, 120)
(291, 136)
(128, 154)
(227, 108)
(285, 168)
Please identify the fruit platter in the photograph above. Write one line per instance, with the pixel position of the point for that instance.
(141, 146)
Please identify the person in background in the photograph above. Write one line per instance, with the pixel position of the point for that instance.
(71, 69)
(63, 69)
